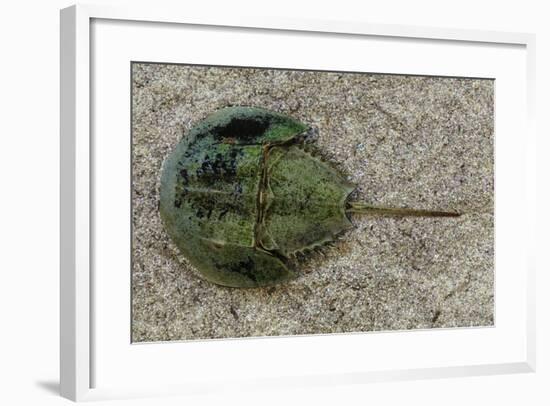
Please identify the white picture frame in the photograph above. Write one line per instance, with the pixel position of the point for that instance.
(78, 351)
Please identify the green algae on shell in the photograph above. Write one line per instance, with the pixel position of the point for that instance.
(240, 196)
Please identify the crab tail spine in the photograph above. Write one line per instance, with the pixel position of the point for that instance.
(362, 208)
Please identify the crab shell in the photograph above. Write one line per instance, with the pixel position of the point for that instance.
(240, 196)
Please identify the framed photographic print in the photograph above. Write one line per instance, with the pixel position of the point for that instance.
(242, 197)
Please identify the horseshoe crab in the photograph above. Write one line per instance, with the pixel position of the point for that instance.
(241, 195)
